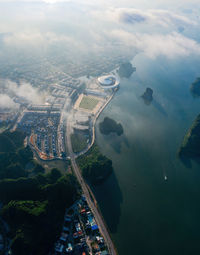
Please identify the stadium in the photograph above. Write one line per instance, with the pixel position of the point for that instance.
(108, 81)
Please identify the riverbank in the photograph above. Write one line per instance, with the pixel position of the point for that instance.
(138, 204)
(87, 192)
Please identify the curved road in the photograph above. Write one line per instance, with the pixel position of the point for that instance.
(94, 209)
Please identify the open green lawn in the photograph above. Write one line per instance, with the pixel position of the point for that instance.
(79, 142)
(88, 103)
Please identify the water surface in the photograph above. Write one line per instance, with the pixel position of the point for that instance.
(147, 214)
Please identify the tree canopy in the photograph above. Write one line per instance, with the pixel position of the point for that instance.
(33, 202)
(95, 166)
(13, 155)
(34, 209)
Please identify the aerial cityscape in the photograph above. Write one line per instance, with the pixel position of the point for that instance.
(99, 127)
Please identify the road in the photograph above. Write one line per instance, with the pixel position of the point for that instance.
(91, 204)
(19, 118)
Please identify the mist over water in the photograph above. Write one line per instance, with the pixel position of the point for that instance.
(146, 213)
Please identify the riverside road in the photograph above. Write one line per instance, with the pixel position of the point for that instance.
(93, 207)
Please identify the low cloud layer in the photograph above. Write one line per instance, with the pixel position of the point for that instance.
(171, 45)
(75, 31)
(133, 16)
(7, 103)
(38, 40)
(11, 90)
(25, 90)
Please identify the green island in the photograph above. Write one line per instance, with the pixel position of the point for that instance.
(148, 96)
(190, 147)
(95, 167)
(195, 88)
(126, 70)
(110, 126)
(34, 203)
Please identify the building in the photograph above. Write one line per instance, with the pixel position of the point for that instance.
(108, 81)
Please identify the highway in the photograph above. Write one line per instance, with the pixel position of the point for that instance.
(91, 204)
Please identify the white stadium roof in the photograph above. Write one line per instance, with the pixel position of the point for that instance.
(108, 81)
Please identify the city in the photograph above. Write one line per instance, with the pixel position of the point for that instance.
(63, 128)
(80, 233)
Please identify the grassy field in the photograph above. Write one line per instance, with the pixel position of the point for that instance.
(48, 165)
(88, 103)
(79, 142)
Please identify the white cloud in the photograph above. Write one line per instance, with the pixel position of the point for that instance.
(89, 34)
(39, 40)
(33, 95)
(55, 1)
(169, 18)
(7, 102)
(171, 45)
(135, 16)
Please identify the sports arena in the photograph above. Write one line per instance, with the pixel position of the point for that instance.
(108, 81)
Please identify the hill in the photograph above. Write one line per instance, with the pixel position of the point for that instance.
(13, 155)
(110, 126)
(195, 88)
(34, 210)
(148, 96)
(126, 70)
(95, 166)
(33, 202)
(190, 147)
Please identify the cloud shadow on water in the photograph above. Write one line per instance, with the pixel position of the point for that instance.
(186, 162)
(126, 142)
(159, 107)
(116, 142)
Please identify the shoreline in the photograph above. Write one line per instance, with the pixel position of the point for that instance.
(85, 187)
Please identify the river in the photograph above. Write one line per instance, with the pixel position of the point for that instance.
(151, 203)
